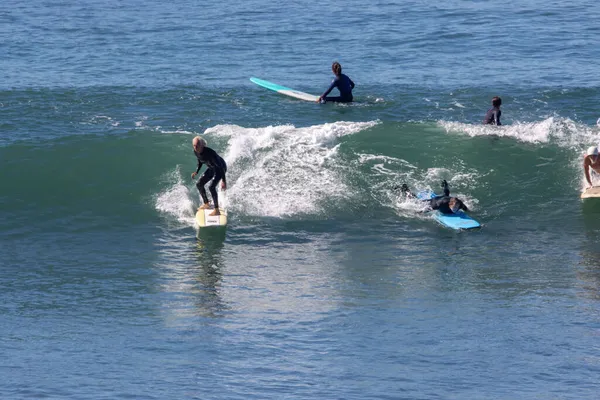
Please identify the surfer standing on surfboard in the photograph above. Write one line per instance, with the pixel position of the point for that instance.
(215, 170)
(590, 160)
(342, 82)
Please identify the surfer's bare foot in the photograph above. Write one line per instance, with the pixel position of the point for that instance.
(204, 206)
(215, 212)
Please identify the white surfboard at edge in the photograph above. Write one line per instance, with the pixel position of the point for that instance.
(590, 193)
(203, 219)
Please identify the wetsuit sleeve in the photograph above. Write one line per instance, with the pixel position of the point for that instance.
(351, 83)
(333, 84)
(446, 189)
(463, 207)
(199, 166)
(441, 204)
(215, 160)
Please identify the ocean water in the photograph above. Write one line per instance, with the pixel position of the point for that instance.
(325, 284)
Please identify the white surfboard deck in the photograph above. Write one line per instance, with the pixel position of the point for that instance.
(590, 193)
(285, 90)
(203, 219)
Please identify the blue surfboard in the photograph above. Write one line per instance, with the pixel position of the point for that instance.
(285, 90)
(456, 221)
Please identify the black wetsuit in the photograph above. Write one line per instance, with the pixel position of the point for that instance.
(215, 170)
(344, 85)
(492, 117)
(441, 203)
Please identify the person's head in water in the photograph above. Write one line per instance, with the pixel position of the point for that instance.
(496, 101)
(336, 68)
(455, 204)
(199, 144)
(592, 153)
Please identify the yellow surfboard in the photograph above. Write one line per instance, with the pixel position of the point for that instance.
(591, 192)
(204, 219)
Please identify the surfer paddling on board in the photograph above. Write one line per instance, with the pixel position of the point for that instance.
(591, 160)
(445, 203)
(215, 170)
(342, 82)
(492, 117)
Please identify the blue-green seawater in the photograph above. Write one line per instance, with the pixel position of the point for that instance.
(324, 285)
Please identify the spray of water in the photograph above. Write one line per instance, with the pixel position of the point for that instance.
(274, 171)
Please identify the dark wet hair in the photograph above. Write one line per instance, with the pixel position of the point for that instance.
(336, 68)
(496, 101)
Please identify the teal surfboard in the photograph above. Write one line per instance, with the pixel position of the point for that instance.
(285, 90)
(456, 221)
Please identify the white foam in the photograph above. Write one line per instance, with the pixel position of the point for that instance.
(532, 133)
(283, 170)
(365, 158)
(564, 131)
(179, 132)
(176, 200)
(459, 176)
(103, 119)
(409, 207)
(141, 122)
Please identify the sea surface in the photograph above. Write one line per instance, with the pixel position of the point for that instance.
(325, 284)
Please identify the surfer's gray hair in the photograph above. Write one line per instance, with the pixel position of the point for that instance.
(200, 140)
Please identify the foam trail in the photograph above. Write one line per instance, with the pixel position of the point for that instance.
(563, 131)
(282, 170)
(176, 200)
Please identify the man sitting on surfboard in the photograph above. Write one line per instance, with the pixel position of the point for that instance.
(215, 170)
(590, 160)
(445, 203)
(342, 82)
